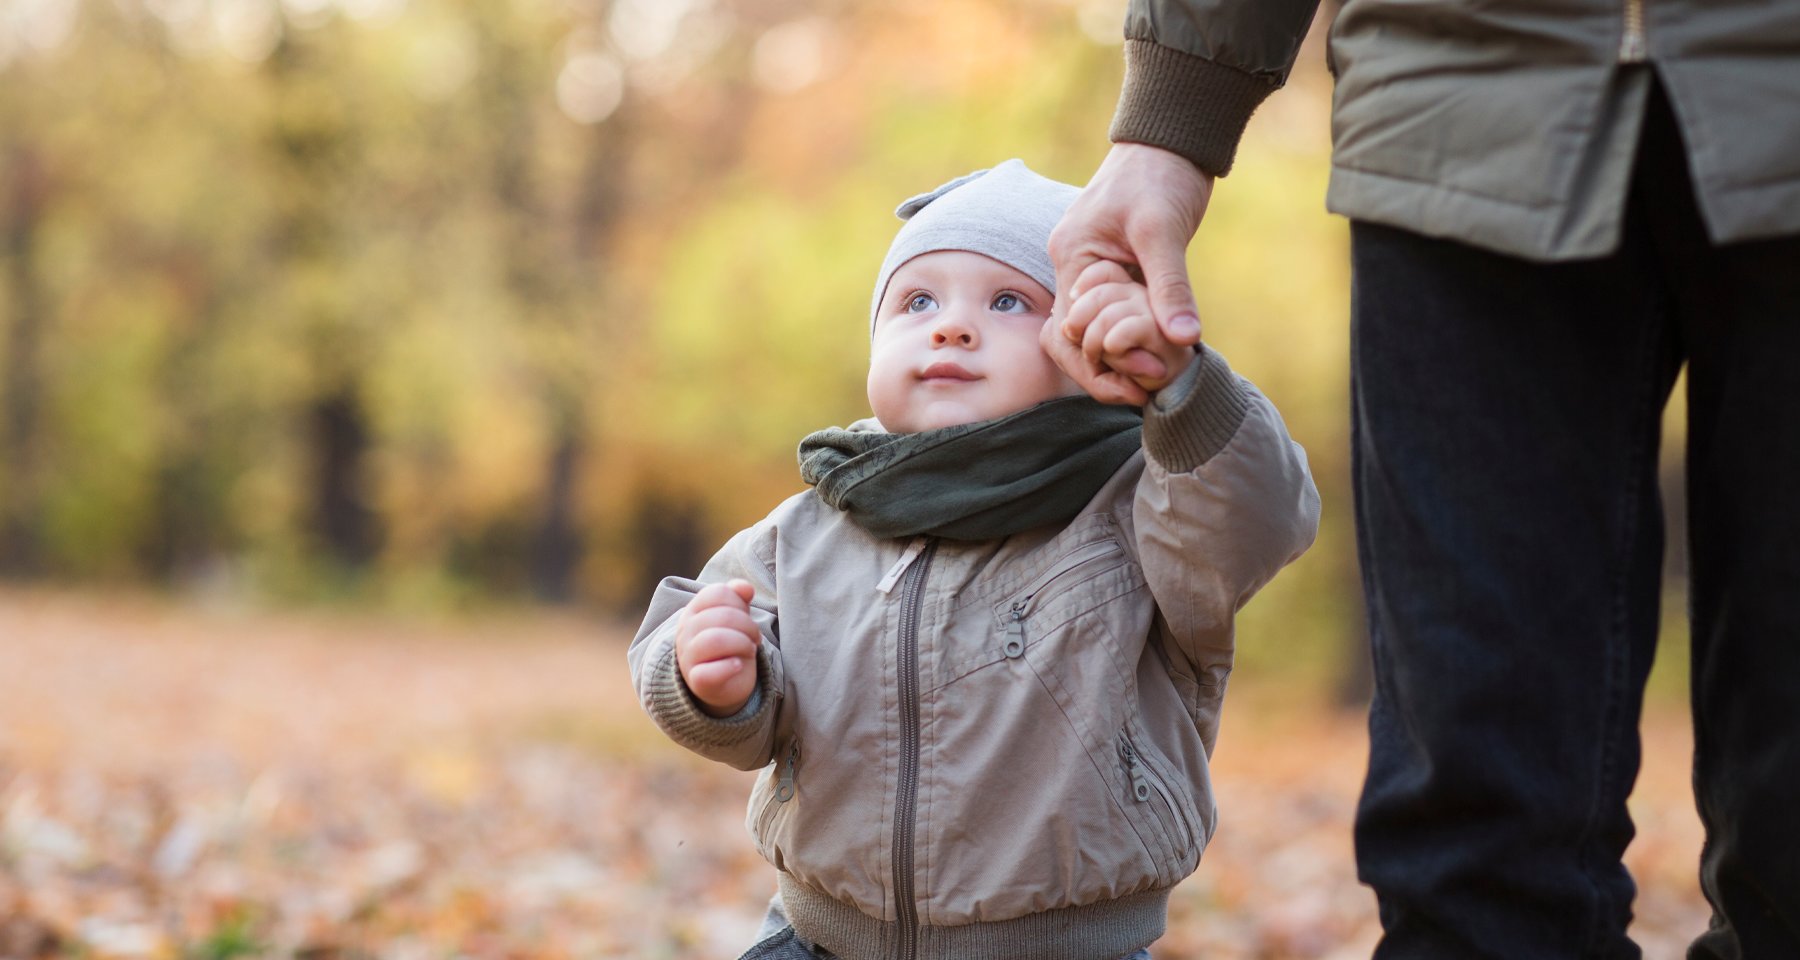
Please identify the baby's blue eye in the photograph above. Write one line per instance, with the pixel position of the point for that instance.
(919, 303)
(1011, 303)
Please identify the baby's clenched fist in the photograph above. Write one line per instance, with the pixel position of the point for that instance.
(715, 647)
(1112, 321)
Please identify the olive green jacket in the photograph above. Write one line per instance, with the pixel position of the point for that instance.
(1509, 124)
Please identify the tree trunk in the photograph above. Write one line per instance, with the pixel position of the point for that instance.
(21, 549)
(343, 519)
(669, 538)
(556, 550)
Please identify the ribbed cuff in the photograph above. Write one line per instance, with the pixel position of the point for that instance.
(1186, 104)
(673, 706)
(1194, 417)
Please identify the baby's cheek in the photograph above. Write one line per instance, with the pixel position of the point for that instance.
(887, 395)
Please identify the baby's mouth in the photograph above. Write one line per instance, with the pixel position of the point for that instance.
(946, 371)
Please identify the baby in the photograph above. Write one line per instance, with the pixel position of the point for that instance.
(981, 660)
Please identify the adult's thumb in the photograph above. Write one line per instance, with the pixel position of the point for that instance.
(1171, 295)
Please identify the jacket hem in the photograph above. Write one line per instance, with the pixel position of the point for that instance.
(1742, 214)
(1435, 210)
(1731, 213)
(1095, 931)
(1186, 104)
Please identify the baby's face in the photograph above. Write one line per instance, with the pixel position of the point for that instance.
(956, 341)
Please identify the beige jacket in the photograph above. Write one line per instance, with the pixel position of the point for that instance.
(999, 748)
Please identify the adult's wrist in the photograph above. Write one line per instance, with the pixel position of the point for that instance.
(1185, 104)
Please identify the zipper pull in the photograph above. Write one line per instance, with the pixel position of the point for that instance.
(784, 789)
(907, 556)
(1140, 787)
(1015, 632)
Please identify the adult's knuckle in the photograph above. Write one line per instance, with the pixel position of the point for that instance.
(1170, 278)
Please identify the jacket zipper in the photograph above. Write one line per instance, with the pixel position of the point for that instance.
(1140, 785)
(906, 800)
(784, 787)
(1632, 47)
(1098, 548)
(1014, 644)
(1144, 780)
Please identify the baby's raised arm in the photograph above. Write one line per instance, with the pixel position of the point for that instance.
(1226, 500)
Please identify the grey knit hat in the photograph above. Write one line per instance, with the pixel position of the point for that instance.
(1006, 213)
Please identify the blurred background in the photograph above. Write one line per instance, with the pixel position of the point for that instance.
(363, 363)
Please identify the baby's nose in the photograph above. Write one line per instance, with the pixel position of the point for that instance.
(954, 328)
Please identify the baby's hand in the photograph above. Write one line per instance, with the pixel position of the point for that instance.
(715, 647)
(1112, 321)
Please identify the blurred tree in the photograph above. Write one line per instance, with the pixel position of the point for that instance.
(21, 441)
(315, 153)
(469, 298)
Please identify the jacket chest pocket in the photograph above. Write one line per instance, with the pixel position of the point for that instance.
(1055, 590)
(1012, 622)
(1078, 628)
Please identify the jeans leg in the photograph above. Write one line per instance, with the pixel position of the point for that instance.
(1739, 316)
(774, 919)
(1506, 427)
(777, 940)
(1744, 451)
(1743, 311)
(784, 944)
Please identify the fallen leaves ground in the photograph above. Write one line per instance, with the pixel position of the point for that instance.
(186, 783)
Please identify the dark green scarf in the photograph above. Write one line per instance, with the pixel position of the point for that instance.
(975, 481)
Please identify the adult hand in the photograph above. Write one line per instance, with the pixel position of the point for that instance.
(715, 647)
(1112, 320)
(1140, 210)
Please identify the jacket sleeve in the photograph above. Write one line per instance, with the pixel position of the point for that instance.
(1196, 69)
(1225, 501)
(744, 740)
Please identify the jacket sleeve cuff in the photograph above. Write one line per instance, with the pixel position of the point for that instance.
(1186, 104)
(1196, 415)
(674, 708)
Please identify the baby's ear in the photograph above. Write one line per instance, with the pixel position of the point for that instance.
(906, 210)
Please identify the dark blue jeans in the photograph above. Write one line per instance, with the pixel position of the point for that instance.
(1506, 428)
